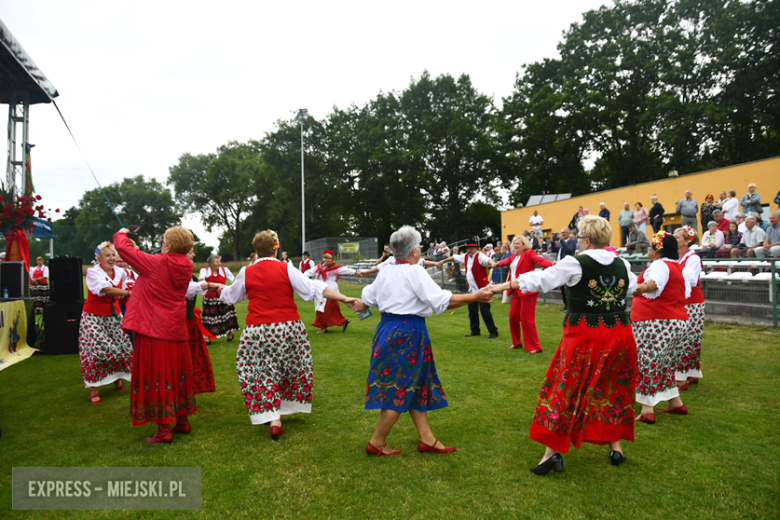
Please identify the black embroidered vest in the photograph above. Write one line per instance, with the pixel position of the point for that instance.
(600, 294)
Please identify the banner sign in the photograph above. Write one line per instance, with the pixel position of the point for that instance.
(349, 247)
(13, 334)
(42, 228)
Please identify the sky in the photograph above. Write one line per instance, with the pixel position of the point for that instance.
(142, 83)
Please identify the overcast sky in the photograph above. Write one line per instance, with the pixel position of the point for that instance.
(142, 83)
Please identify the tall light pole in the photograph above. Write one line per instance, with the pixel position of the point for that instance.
(303, 114)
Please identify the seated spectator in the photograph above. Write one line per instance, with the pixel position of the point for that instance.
(751, 201)
(722, 223)
(431, 250)
(740, 218)
(711, 241)
(442, 252)
(752, 238)
(637, 241)
(760, 222)
(730, 240)
(771, 246)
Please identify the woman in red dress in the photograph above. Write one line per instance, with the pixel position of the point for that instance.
(328, 311)
(161, 391)
(522, 312)
(588, 392)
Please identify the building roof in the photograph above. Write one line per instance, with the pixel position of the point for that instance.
(18, 72)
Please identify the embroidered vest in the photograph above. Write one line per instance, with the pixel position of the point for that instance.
(306, 265)
(600, 295)
(103, 305)
(216, 278)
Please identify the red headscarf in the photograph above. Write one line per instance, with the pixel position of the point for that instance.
(322, 272)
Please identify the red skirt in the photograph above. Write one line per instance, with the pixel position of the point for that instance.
(202, 373)
(588, 393)
(332, 316)
(161, 389)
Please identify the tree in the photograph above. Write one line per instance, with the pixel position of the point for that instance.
(221, 187)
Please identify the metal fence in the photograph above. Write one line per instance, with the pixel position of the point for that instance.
(368, 248)
(735, 290)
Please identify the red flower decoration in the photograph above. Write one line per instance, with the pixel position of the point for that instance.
(38, 197)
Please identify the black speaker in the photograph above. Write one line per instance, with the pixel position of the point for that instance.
(61, 328)
(15, 279)
(65, 280)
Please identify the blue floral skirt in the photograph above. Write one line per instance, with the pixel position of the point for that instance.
(403, 374)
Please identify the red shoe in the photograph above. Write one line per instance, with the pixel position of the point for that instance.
(680, 410)
(648, 418)
(164, 434)
(119, 385)
(380, 452)
(693, 380)
(537, 351)
(422, 447)
(515, 347)
(276, 432)
(182, 425)
(95, 399)
(683, 387)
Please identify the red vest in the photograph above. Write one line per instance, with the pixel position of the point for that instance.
(215, 278)
(670, 305)
(101, 305)
(270, 293)
(697, 295)
(306, 265)
(38, 273)
(477, 271)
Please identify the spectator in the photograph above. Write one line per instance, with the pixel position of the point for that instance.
(499, 272)
(688, 208)
(453, 269)
(777, 200)
(721, 201)
(637, 241)
(640, 217)
(771, 247)
(731, 240)
(752, 238)
(625, 219)
(723, 224)
(536, 222)
(532, 239)
(585, 212)
(386, 253)
(760, 222)
(711, 241)
(568, 247)
(489, 251)
(731, 206)
(442, 252)
(741, 222)
(751, 201)
(656, 214)
(604, 213)
(707, 207)
(431, 250)
(576, 218)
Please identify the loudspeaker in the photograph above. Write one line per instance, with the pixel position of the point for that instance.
(65, 280)
(15, 278)
(61, 327)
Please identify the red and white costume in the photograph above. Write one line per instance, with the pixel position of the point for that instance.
(218, 318)
(328, 311)
(689, 364)
(39, 290)
(476, 276)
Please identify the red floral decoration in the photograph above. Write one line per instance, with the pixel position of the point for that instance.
(21, 214)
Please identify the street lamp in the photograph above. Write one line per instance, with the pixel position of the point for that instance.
(303, 114)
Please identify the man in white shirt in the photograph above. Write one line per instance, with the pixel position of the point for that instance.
(306, 263)
(536, 222)
(752, 238)
(476, 275)
(489, 251)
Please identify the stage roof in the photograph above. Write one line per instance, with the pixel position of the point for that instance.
(19, 72)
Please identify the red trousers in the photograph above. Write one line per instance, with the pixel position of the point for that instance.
(522, 314)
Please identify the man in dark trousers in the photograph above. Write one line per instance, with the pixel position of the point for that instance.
(477, 277)
(568, 248)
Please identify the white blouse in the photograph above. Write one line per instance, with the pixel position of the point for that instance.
(691, 272)
(206, 272)
(658, 271)
(483, 261)
(35, 267)
(406, 289)
(569, 272)
(98, 279)
(391, 261)
(331, 280)
(193, 289)
(306, 288)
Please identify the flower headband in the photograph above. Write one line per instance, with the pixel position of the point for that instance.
(689, 231)
(275, 236)
(101, 247)
(658, 240)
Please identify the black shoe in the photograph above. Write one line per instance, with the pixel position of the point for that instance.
(229, 338)
(562, 309)
(493, 336)
(555, 462)
(472, 334)
(346, 323)
(617, 458)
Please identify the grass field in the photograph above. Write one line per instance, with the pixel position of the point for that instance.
(721, 461)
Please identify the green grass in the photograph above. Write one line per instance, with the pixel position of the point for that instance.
(721, 461)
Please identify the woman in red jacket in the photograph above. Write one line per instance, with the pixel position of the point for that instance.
(162, 389)
(522, 312)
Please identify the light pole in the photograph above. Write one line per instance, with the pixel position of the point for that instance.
(303, 114)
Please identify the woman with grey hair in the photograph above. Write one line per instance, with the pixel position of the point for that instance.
(402, 377)
(712, 240)
(219, 318)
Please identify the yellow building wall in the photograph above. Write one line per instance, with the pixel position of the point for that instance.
(765, 174)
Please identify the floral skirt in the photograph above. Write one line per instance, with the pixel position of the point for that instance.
(162, 383)
(331, 317)
(218, 317)
(402, 375)
(40, 293)
(689, 364)
(105, 350)
(202, 373)
(588, 392)
(274, 367)
(658, 343)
